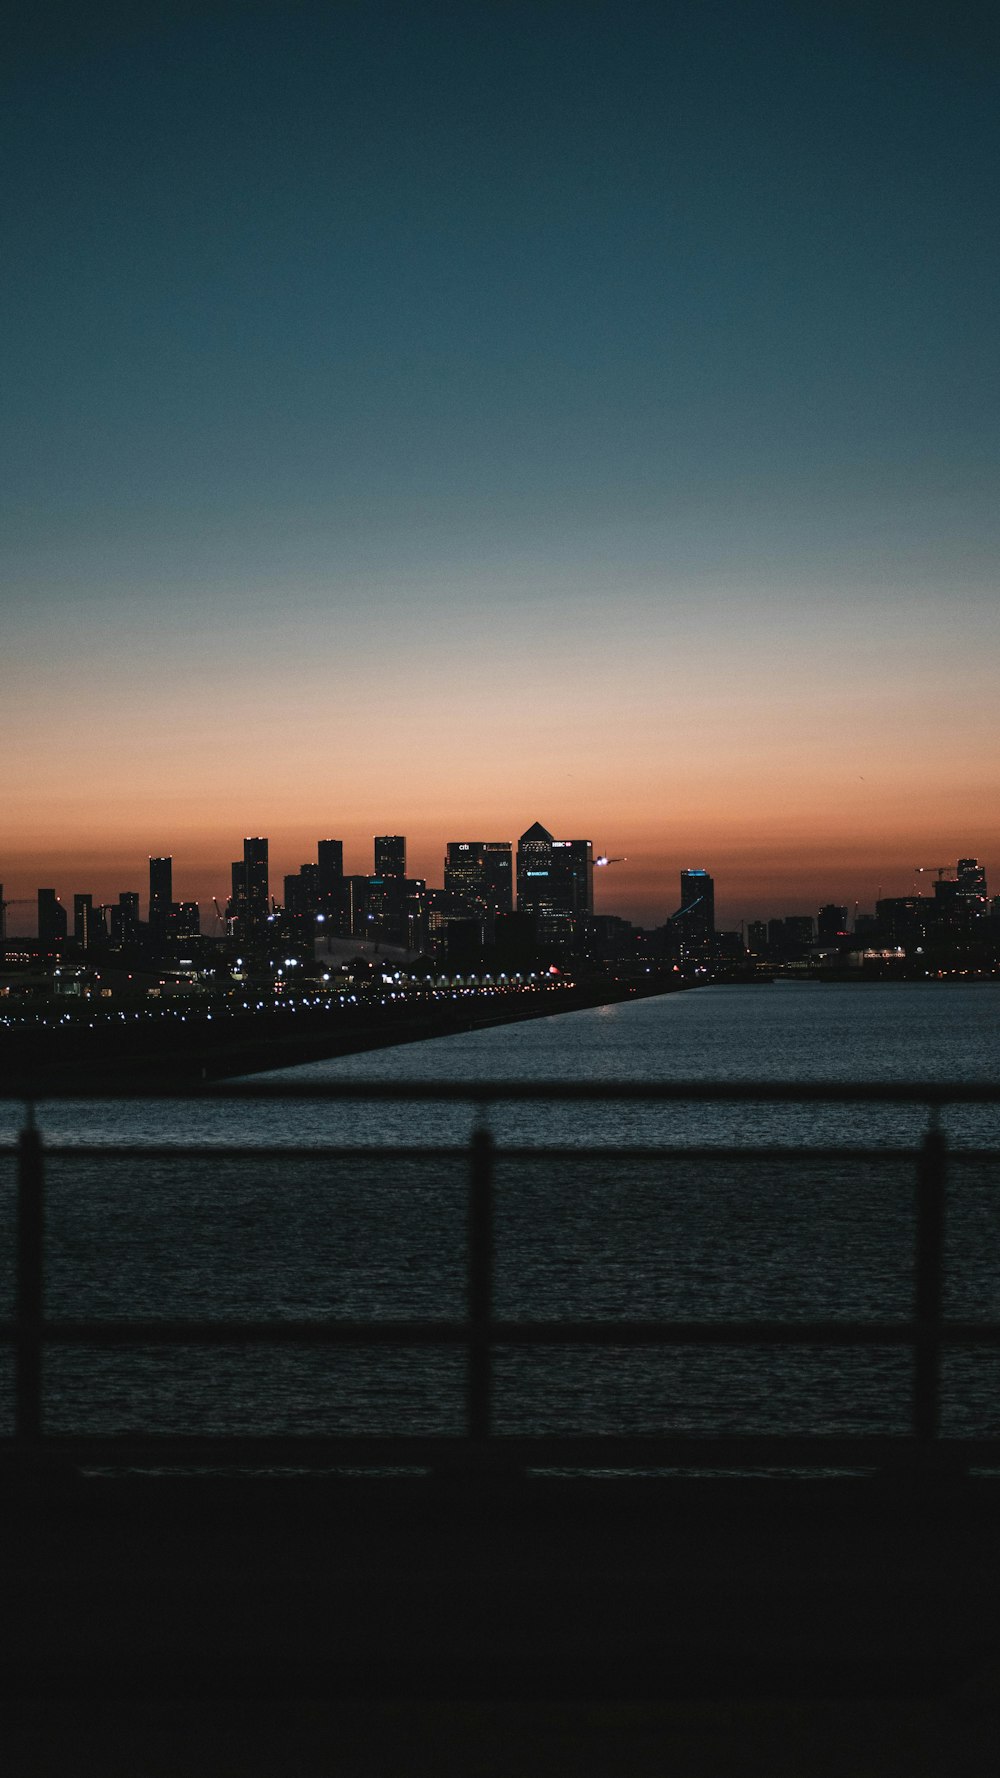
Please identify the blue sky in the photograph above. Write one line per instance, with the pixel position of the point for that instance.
(399, 323)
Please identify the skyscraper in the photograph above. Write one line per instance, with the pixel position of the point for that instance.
(161, 895)
(331, 867)
(573, 876)
(125, 918)
(831, 922)
(185, 919)
(52, 921)
(696, 915)
(302, 891)
(534, 870)
(390, 855)
(256, 882)
(236, 912)
(498, 867)
(84, 929)
(971, 877)
(309, 876)
(481, 870)
(331, 898)
(555, 882)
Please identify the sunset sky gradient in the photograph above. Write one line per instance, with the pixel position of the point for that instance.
(434, 420)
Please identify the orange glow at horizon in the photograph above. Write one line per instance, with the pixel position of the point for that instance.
(797, 759)
(753, 879)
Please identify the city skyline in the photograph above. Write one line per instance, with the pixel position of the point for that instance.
(611, 893)
(447, 415)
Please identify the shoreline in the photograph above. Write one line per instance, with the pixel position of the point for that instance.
(120, 1065)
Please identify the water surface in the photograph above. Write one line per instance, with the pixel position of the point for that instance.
(806, 1237)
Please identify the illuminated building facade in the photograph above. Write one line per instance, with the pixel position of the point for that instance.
(555, 883)
(482, 872)
(85, 925)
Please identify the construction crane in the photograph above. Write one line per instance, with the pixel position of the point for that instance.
(16, 901)
(219, 914)
(920, 870)
(604, 859)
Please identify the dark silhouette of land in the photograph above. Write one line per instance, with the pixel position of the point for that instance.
(138, 1055)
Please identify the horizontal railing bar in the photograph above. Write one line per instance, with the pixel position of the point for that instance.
(241, 1333)
(214, 1151)
(502, 1333)
(385, 1152)
(969, 1333)
(970, 1156)
(495, 1092)
(545, 1450)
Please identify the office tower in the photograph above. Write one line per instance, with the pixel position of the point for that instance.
(185, 919)
(296, 897)
(776, 937)
(481, 870)
(302, 890)
(255, 884)
(125, 918)
(357, 918)
(236, 910)
(498, 866)
(463, 868)
(790, 940)
(52, 921)
(331, 867)
(555, 882)
(831, 923)
(905, 919)
(971, 879)
(799, 929)
(757, 937)
(696, 915)
(534, 860)
(390, 855)
(161, 895)
(960, 901)
(534, 877)
(84, 924)
(573, 875)
(309, 878)
(331, 898)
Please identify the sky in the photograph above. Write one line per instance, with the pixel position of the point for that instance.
(434, 419)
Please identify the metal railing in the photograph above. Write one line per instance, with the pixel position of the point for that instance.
(926, 1332)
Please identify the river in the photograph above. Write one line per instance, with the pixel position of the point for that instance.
(811, 1237)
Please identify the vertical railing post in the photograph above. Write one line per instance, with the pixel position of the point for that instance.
(929, 1284)
(30, 1286)
(480, 1371)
